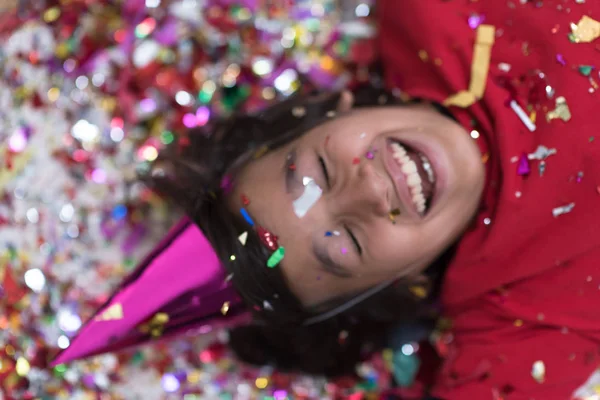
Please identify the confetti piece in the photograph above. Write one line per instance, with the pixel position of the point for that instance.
(362, 135)
(312, 193)
(523, 168)
(522, 115)
(336, 233)
(370, 155)
(225, 308)
(243, 237)
(114, 312)
(558, 211)
(276, 257)
(418, 291)
(479, 69)
(561, 111)
(267, 305)
(298, 112)
(355, 160)
(561, 59)
(247, 216)
(344, 250)
(328, 233)
(587, 30)
(585, 70)
(261, 152)
(267, 238)
(538, 371)
(245, 200)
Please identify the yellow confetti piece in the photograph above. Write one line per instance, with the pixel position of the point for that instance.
(561, 111)
(261, 152)
(225, 308)
(538, 371)
(156, 325)
(22, 367)
(587, 30)
(419, 291)
(114, 312)
(18, 162)
(480, 66)
(261, 383)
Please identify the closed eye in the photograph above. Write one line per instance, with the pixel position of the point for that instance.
(325, 172)
(354, 240)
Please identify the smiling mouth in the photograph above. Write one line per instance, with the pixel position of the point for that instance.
(418, 174)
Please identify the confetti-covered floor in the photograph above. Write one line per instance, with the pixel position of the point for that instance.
(89, 92)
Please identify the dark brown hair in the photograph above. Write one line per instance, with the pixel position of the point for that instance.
(194, 175)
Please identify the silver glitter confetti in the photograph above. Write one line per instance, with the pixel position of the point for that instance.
(538, 371)
(563, 209)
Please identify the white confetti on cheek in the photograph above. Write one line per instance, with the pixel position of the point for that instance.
(312, 193)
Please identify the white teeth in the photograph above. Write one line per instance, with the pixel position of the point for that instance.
(413, 179)
(428, 169)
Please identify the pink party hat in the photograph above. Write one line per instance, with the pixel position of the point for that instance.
(181, 287)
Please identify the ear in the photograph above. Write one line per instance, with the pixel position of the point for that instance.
(346, 101)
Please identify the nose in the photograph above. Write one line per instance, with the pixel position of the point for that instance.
(366, 192)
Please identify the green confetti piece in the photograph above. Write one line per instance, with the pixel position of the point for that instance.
(585, 70)
(276, 257)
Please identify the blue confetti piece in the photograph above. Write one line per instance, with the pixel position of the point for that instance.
(246, 216)
(119, 212)
(327, 234)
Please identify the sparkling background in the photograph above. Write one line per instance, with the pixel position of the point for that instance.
(90, 91)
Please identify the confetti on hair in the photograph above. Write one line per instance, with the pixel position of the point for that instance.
(229, 277)
(418, 291)
(225, 308)
(558, 211)
(312, 193)
(267, 238)
(243, 237)
(299, 111)
(276, 257)
(226, 183)
(330, 114)
(247, 216)
(261, 152)
(245, 200)
(267, 305)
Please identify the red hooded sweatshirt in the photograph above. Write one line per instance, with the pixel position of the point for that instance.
(523, 293)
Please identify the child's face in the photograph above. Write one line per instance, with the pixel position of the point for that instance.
(367, 177)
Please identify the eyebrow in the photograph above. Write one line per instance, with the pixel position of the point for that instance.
(329, 265)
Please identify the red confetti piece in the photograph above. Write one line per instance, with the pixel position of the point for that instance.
(245, 200)
(292, 167)
(267, 238)
(356, 160)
